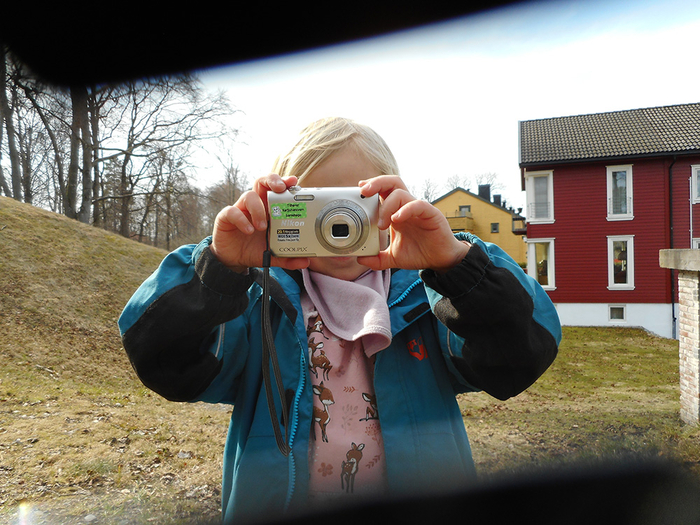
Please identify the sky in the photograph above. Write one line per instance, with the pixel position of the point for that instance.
(447, 98)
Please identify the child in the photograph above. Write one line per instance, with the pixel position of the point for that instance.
(372, 350)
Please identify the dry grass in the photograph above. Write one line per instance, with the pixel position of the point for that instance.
(82, 440)
(79, 435)
(612, 395)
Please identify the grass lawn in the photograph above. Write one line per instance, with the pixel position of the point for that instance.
(611, 395)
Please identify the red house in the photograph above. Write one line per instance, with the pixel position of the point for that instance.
(605, 192)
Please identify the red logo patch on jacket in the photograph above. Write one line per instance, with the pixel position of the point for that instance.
(417, 349)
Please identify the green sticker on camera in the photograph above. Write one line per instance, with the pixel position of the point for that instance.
(288, 210)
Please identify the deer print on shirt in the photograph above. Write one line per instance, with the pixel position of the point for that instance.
(349, 467)
(316, 327)
(321, 415)
(319, 361)
(372, 411)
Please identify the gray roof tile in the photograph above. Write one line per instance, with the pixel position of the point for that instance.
(636, 132)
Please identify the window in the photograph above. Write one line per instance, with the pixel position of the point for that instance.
(695, 183)
(616, 313)
(540, 196)
(464, 210)
(540, 261)
(621, 263)
(494, 227)
(619, 193)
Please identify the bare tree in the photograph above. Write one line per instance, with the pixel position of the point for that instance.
(170, 209)
(116, 155)
(429, 190)
(489, 178)
(472, 183)
(99, 108)
(222, 194)
(78, 95)
(158, 116)
(31, 141)
(456, 181)
(51, 107)
(4, 187)
(8, 120)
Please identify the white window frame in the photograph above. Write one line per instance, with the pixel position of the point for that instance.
(629, 285)
(532, 261)
(530, 196)
(696, 243)
(695, 183)
(623, 307)
(629, 214)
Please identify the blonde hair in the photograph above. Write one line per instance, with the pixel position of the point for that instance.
(322, 138)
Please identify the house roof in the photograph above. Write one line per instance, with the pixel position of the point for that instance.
(455, 190)
(636, 132)
(487, 201)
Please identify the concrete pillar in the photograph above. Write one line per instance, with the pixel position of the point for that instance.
(687, 263)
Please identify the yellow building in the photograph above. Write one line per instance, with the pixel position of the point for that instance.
(490, 221)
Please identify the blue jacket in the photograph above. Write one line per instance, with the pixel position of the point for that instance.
(192, 333)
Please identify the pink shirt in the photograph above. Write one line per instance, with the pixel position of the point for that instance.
(346, 451)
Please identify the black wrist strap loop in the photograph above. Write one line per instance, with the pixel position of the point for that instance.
(269, 358)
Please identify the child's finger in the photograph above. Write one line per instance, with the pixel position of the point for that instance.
(258, 212)
(271, 182)
(253, 210)
(383, 185)
(414, 209)
(394, 202)
(233, 218)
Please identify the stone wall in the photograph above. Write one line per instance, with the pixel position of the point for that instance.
(687, 263)
(689, 342)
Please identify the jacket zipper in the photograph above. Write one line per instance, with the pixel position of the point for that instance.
(405, 293)
(294, 426)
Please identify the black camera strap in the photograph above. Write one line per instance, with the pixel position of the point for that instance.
(269, 358)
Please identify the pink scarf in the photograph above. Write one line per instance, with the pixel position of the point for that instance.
(352, 310)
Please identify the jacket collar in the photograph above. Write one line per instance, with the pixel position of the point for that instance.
(401, 281)
(404, 305)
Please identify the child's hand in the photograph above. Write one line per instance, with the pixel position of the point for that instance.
(420, 234)
(240, 231)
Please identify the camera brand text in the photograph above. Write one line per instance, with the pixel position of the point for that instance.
(288, 222)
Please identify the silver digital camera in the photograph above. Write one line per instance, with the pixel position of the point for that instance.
(323, 222)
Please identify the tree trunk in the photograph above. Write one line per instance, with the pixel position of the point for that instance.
(3, 84)
(82, 109)
(124, 191)
(26, 159)
(3, 182)
(16, 174)
(150, 199)
(71, 198)
(94, 110)
(168, 221)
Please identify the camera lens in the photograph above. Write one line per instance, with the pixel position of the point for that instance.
(340, 231)
(342, 226)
